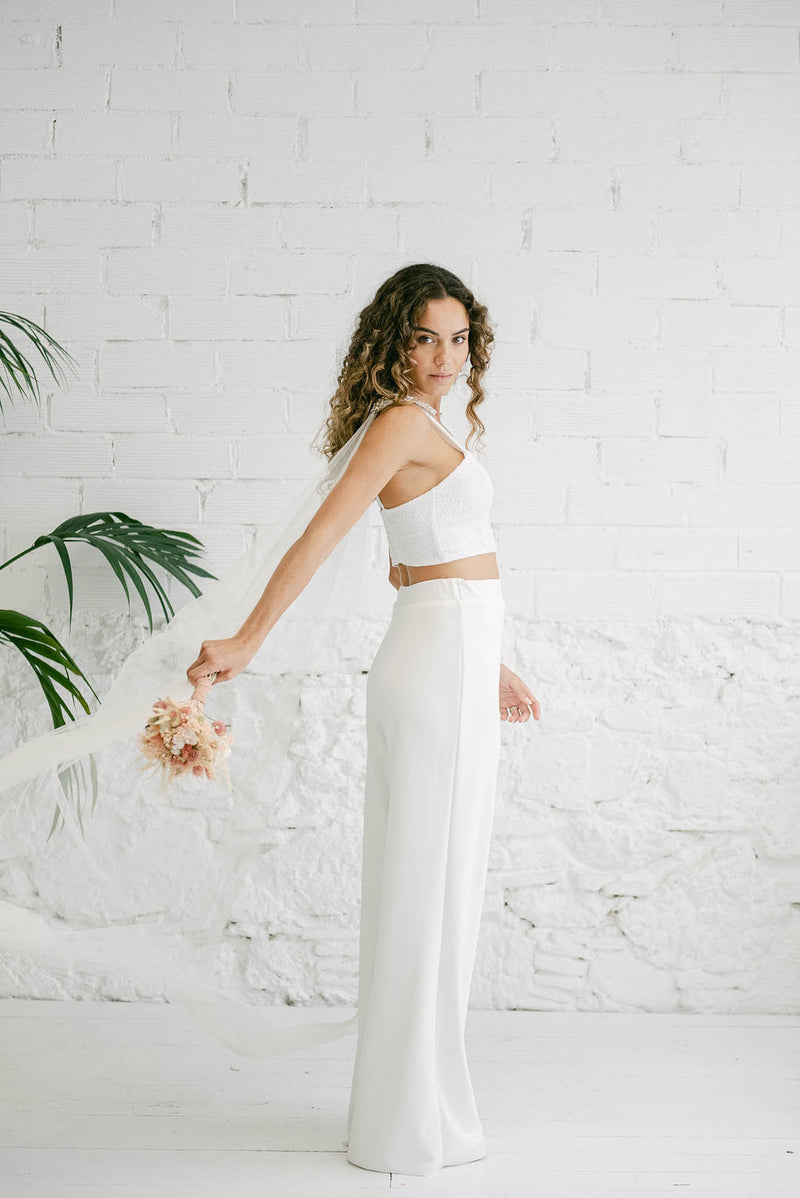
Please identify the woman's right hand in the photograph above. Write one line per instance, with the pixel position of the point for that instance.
(225, 658)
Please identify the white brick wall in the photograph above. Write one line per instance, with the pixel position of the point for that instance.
(196, 199)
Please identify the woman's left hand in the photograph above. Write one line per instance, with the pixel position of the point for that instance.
(516, 701)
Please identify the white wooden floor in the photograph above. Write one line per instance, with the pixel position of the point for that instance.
(119, 1100)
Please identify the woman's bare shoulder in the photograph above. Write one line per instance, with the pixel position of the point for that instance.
(400, 415)
(397, 433)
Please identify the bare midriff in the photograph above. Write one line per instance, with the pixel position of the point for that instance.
(480, 565)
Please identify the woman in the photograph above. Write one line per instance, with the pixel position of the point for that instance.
(432, 718)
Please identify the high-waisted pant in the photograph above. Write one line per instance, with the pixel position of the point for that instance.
(433, 742)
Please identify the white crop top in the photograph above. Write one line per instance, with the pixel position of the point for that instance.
(448, 521)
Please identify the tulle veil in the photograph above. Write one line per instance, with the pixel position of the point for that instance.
(160, 932)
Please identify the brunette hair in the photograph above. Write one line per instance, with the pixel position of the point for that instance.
(377, 362)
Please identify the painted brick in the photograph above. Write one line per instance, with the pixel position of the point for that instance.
(568, 415)
(113, 134)
(53, 269)
(425, 182)
(26, 132)
(109, 413)
(447, 91)
(154, 364)
(693, 322)
(766, 460)
(594, 320)
(284, 272)
(641, 460)
(769, 549)
(649, 370)
(754, 369)
(619, 48)
(593, 595)
(721, 593)
(710, 233)
(493, 138)
(735, 139)
(13, 223)
(270, 364)
(730, 49)
(106, 318)
(564, 548)
(541, 93)
(172, 10)
(299, 11)
(719, 415)
(487, 46)
(168, 90)
(140, 499)
(665, 94)
(172, 179)
(766, 95)
(118, 43)
(305, 226)
(773, 281)
(209, 135)
(160, 271)
(87, 225)
(304, 182)
(39, 502)
(539, 11)
(733, 505)
(660, 275)
(613, 232)
(676, 549)
(292, 91)
(198, 412)
(624, 505)
(60, 456)
(654, 12)
(550, 184)
(618, 140)
(26, 44)
(58, 179)
(348, 47)
(236, 318)
(357, 137)
(676, 187)
(52, 88)
(170, 456)
(225, 227)
(499, 232)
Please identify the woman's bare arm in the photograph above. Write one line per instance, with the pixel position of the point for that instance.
(395, 437)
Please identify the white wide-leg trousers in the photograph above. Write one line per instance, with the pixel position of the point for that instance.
(433, 741)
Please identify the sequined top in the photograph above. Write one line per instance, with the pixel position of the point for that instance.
(448, 521)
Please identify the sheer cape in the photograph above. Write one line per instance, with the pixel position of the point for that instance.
(159, 933)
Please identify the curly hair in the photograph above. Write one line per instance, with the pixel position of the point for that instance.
(378, 360)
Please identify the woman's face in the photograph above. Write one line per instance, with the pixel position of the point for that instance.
(439, 347)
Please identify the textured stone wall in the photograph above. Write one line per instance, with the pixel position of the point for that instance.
(197, 200)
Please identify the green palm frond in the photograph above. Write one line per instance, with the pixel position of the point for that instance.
(49, 660)
(73, 783)
(17, 375)
(126, 543)
(52, 664)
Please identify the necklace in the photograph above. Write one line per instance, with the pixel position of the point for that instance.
(430, 408)
(412, 399)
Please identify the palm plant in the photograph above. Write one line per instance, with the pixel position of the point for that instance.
(125, 543)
